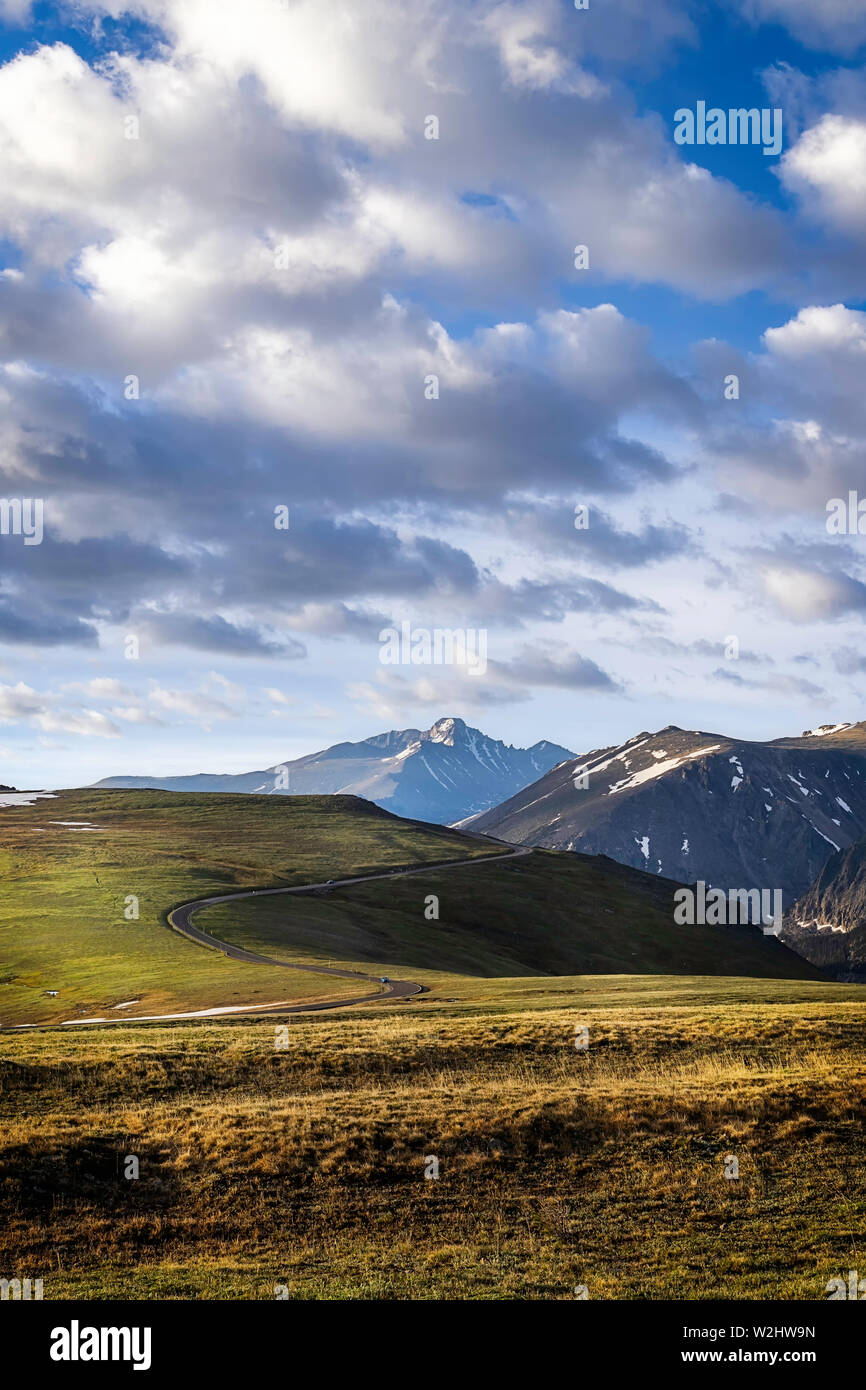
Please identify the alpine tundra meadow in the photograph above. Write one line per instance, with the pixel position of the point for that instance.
(432, 680)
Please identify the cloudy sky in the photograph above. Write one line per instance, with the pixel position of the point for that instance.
(232, 262)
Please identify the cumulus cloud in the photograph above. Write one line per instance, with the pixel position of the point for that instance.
(15, 11)
(87, 722)
(778, 683)
(593, 534)
(237, 209)
(548, 665)
(536, 665)
(233, 206)
(101, 687)
(827, 168)
(22, 704)
(796, 438)
(37, 628)
(196, 705)
(810, 595)
(245, 240)
(818, 330)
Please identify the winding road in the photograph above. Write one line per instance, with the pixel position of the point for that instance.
(180, 920)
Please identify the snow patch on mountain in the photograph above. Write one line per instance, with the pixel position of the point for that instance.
(821, 833)
(648, 774)
(824, 729)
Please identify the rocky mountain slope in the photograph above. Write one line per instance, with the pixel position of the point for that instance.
(693, 805)
(827, 924)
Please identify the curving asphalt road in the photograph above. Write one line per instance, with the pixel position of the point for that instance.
(180, 920)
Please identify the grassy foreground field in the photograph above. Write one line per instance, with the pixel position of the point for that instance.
(558, 1167)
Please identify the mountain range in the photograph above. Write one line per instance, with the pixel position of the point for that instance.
(443, 774)
(692, 805)
(683, 805)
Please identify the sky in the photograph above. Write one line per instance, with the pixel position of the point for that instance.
(297, 349)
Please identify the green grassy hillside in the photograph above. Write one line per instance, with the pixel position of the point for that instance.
(62, 923)
(544, 913)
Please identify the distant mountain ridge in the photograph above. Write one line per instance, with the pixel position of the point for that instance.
(693, 805)
(445, 773)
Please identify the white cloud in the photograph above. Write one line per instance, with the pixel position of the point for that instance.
(101, 687)
(87, 722)
(297, 128)
(16, 11)
(135, 714)
(811, 596)
(18, 702)
(22, 704)
(191, 704)
(321, 66)
(818, 329)
(173, 235)
(373, 386)
(827, 169)
(521, 33)
(798, 435)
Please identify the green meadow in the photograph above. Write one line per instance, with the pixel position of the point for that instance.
(65, 891)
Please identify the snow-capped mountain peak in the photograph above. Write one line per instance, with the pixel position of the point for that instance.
(445, 731)
(446, 773)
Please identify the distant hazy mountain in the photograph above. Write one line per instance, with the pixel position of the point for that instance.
(442, 774)
(828, 924)
(693, 805)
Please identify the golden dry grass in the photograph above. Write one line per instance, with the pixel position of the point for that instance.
(306, 1166)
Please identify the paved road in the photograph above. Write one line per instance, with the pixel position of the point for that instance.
(180, 920)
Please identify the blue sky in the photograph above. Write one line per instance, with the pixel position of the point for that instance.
(237, 207)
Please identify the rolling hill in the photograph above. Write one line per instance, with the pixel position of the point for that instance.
(90, 875)
(541, 914)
